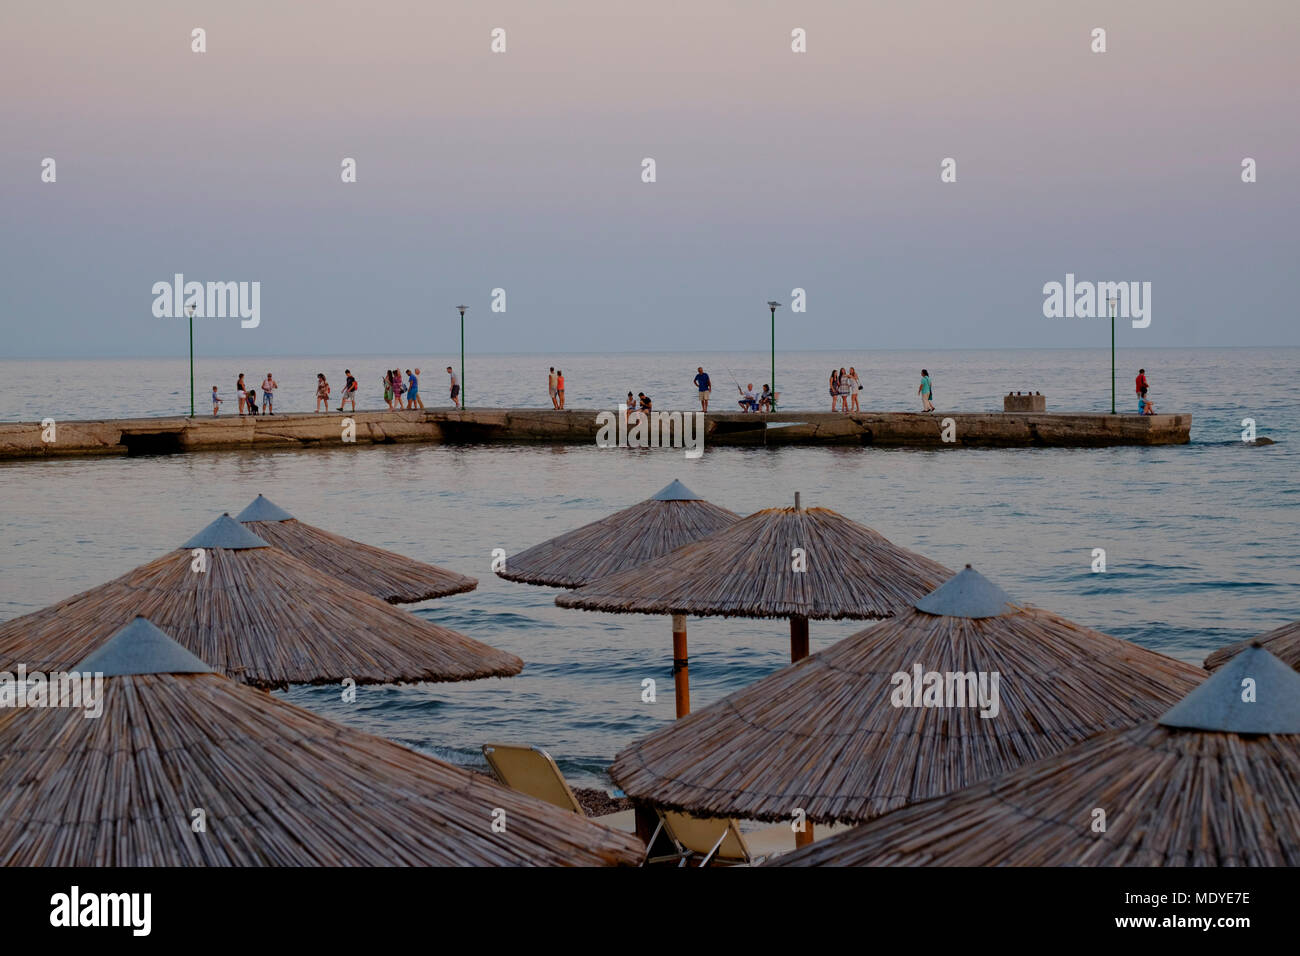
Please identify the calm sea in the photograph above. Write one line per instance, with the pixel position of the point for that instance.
(1202, 541)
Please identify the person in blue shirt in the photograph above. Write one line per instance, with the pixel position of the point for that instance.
(705, 386)
(925, 390)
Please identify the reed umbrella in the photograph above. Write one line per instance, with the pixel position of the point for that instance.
(626, 539)
(782, 562)
(1282, 642)
(272, 784)
(258, 615)
(861, 728)
(1214, 781)
(391, 577)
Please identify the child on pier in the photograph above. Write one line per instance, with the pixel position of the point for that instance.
(216, 400)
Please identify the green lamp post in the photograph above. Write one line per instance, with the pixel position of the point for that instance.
(1111, 300)
(463, 399)
(772, 306)
(189, 309)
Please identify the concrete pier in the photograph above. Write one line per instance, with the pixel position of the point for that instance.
(579, 426)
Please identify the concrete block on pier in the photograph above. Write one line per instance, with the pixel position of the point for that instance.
(1017, 402)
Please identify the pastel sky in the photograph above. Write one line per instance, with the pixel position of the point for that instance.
(522, 170)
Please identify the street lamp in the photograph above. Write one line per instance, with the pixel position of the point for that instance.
(189, 309)
(1112, 301)
(773, 306)
(462, 355)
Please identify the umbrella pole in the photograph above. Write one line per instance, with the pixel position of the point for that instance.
(798, 638)
(798, 651)
(681, 675)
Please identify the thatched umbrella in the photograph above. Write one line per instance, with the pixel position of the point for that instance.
(1215, 781)
(394, 578)
(782, 562)
(272, 784)
(626, 539)
(258, 615)
(862, 727)
(1282, 642)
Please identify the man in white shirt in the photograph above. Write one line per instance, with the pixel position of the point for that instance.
(268, 394)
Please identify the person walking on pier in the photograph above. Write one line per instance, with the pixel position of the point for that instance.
(926, 391)
(349, 393)
(455, 388)
(705, 387)
(322, 391)
(268, 395)
(552, 389)
(413, 399)
(559, 387)
(242, 393)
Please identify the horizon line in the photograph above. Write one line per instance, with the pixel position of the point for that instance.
(845, 348)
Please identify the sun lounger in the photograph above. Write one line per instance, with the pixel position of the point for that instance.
(531, 770)
(719, 840)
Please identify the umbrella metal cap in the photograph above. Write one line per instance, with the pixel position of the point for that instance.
(262, 509)
(227, 533)
(141, 648)
(676, 492)
(1254, 693)
(967, 594)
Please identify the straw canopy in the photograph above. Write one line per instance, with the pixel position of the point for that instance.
(276, 784)
(258, 615)
(628, 538)
(1282, 642)
(1170, 792)
(916, 706)
(782, 562)
(391, 577)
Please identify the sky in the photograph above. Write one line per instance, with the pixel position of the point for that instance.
(523, 171)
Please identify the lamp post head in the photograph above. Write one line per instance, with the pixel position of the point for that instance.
(774, 306)
(462, 310)
(189, 310)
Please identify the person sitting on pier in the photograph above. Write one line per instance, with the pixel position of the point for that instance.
(252, 401)
(647, 406)
(748, 402)
(765, 400)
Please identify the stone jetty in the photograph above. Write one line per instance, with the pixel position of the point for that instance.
(580, 426)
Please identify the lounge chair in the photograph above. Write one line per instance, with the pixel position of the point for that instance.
(718, 840)
(531, 770)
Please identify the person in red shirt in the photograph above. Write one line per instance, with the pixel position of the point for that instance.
(1141, 387)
